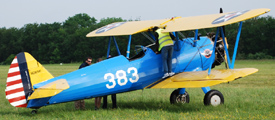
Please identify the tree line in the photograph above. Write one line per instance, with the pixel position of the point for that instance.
(66, 42)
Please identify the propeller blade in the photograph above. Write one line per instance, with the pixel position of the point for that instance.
(221, 10)
(223, 28)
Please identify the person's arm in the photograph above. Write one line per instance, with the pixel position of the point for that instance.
(172, 36)
(81, 66)
(157, 42)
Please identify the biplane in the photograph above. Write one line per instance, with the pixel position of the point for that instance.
(30, 85)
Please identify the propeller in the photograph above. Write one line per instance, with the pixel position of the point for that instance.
(223, 27)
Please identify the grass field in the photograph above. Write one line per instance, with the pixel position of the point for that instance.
(252, 97)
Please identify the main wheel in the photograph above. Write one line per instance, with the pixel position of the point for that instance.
(179, 98)
(214, 98)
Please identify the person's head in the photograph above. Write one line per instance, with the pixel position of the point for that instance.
(89, 60)
(155, 28)
(99, 59)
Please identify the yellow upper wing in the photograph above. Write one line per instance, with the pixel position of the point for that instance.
(176, 24)
(201, 78)
(209, 21)
(125, 28)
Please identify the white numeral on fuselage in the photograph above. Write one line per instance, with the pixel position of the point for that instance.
(121, 77)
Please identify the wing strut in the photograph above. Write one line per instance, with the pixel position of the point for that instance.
(237, 44)
(196, 37)
(118, 51)
(109, 45)
(177, 43)
(129, 45)
(213, 53)
(225, 48)
(230, 63)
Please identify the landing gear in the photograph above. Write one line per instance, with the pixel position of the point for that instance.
(177, 98)
(34, 111)
(213, 97)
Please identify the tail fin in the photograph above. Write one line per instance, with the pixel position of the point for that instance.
(24, 72)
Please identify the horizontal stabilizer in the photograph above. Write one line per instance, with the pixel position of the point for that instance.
(202, 79)
(50, 89)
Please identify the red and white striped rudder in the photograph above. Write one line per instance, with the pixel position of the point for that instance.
(14, 88)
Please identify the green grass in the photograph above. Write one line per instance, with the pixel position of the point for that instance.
(252, 97)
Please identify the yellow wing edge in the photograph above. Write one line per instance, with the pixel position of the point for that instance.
(202, 79)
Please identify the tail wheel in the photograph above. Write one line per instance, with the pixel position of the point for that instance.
(214, 98)
(34, 111)
(177, 98)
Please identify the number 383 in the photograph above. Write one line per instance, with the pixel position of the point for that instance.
(121, 77)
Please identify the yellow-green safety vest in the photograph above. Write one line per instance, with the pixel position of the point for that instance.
(164, 38)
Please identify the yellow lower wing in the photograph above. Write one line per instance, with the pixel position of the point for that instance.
(201, 78)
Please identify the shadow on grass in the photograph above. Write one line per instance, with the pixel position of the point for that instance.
(19, 113)
(135, 105)
(155, 106)
(60, 109)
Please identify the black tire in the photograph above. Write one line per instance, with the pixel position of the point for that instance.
(214, 98)
(177, 98)
(34, 112)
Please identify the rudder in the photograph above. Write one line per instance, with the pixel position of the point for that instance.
(24, 72)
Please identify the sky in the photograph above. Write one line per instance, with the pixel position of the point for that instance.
(17, 13)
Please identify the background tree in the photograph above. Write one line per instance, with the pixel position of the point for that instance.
(10, 43)
(67, 42)
(75, 44)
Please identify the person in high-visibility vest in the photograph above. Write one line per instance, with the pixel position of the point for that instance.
(165, 45)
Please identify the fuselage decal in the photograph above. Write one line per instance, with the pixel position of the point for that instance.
(121, 77)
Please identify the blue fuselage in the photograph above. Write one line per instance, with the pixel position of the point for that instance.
(118, 74)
